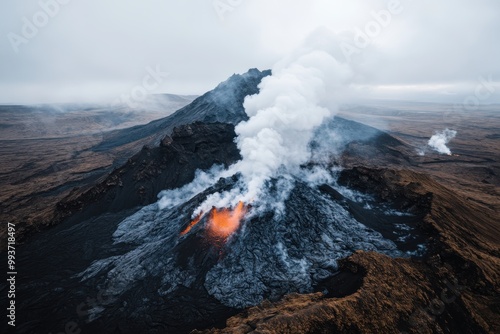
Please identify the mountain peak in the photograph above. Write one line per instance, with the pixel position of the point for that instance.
(222, 104)
(229, 95)
(235, 79)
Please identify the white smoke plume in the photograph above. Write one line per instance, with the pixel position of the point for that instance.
(291, 104)
(203, 179)
(440, 139)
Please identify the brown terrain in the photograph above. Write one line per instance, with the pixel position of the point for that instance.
(455, 288)
(46, 151)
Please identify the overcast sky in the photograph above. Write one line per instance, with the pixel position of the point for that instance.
(99, 49)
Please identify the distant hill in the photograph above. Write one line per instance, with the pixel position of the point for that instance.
(75, 119)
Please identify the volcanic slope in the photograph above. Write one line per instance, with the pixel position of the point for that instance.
(41, 180)
(141, 259)
(162, 273)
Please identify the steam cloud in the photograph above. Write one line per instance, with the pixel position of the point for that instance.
(275, 144)
(440, 139)
(291, 104)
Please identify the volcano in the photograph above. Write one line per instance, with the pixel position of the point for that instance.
(358, 239)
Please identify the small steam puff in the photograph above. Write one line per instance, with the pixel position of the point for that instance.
(283, 116)
(440, 139)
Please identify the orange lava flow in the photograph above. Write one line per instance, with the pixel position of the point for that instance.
(225, 222)
(192, 224)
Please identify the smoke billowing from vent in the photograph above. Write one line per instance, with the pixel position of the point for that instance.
(289, 234)
(440, 139)
(291, 104)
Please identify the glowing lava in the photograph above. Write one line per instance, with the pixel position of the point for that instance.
(192, 224)
(222, 222)
(225, 222)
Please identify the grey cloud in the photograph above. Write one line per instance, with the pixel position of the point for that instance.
(99, 49)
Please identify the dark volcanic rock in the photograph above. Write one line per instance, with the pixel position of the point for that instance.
(349, 143)
(173, 164)
(199, 146)
(374, 181)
